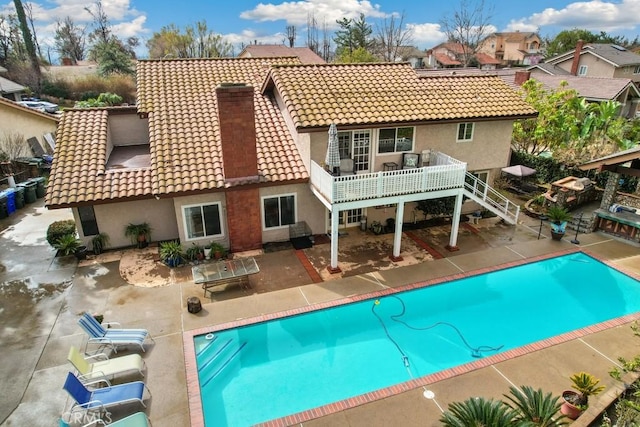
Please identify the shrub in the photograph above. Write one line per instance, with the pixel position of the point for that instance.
(67, 244)
(58, 88)
(60, 229)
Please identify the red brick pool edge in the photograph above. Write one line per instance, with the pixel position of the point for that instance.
(193, 385)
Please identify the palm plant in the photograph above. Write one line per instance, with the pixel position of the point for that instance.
(534, 407)
(67, 244)
(478, 412)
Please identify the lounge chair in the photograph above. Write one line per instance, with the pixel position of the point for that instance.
(113, 337)
(100, 399)
(90, 368)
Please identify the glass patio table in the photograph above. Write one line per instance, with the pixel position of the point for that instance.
(225, 272)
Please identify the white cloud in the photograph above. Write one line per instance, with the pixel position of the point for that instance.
(132, 28)
(249, 37)
(594, 15)
(426, 35)
(325, 11)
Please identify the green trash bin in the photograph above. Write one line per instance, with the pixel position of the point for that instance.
(29, 191)
(39, 186)
(3, 206)
(19, 196)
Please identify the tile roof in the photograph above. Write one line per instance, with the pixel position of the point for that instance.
(186, 156)
(445, 59)
(359, 94)
(485, 59)
(306, 55)
(457, 48)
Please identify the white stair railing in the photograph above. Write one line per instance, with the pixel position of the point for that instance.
(488, 197)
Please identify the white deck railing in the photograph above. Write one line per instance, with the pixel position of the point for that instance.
(443, 172)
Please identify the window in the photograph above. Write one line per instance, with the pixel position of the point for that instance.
(279, 211)
(582, 71)
(344, 145)
(636, 70)
(395, 140)
(88, 220)
(202, 221)
(465, 132)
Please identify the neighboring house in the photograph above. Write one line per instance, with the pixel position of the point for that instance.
(486, 62)
(512, 48)
(16, 119)
(233, 150)
(412, 55)
(599, 60)
(11, 90)
(306, 55)
(448, 55)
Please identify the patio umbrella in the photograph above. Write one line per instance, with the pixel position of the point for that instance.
(519, 170)
(332, 160)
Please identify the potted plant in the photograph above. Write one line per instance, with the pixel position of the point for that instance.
(67, 245)
(558, 218)
(140, 234)
(171, 253)
(195, 252)
(575, 402)
(99, 242)
(216, 250)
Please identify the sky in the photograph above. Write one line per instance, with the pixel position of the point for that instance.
(243, 21)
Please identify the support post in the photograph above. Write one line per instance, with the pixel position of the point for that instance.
(455, 224)
(335, 223)
(397, 236)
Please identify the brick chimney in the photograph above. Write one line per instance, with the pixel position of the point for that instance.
(522, 77)
(236, 118)
(576, 58)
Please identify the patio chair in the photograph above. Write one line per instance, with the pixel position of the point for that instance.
(100, 399)
(90, 368)
(347, 167)
(112, 337)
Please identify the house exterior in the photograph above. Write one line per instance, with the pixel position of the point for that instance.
(512, 47)
(486, 62)
(304, 54)
(599, 60)
(11, 90)
(16, 119)
(412, 55)
(246, 162)
(449, 55)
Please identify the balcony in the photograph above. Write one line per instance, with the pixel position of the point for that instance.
(443, 172)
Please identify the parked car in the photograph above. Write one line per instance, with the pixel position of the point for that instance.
(42, 106)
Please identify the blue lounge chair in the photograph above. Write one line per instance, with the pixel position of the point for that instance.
(113, 337)
(102, 398)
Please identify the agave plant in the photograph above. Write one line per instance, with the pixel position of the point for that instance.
(535, 408)
(478, 412)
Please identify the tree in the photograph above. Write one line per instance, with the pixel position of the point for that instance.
(312, 32)
(359, 55)
(568, 39)
(112, 58)
(28, 42)
(196, 42)
(353, 35)
(291, 35)
(70, 40)
(102, 32)
(103, 100)
(467, 25)
(391, 35)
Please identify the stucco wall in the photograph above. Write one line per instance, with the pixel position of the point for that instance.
(309, 209)
(179, 202)
(112, 219)
(595, 66)
(489, 149)
(128, 129)
(14, 120)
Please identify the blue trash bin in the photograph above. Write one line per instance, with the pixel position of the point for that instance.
(11, 200)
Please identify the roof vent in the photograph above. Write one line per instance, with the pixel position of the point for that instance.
(620, 48)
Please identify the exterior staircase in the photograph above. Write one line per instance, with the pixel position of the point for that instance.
(489, 198)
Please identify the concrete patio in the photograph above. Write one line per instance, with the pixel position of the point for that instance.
(41, 301)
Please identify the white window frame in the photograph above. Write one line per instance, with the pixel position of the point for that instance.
(278, 196)
(201, 205)
(582, 70)
(395, 143)
(465, 124)
(636, 69)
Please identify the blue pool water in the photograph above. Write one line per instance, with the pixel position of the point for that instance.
(269, 370)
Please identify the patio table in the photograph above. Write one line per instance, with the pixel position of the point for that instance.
(225, 272)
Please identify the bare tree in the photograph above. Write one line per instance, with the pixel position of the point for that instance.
(28, 42)
(312, 32)
(326, 42)
(28, 9)
(468, 25)
(291, 35)
(391, 35)
(13, 145)
(70, 40)
(102, 33)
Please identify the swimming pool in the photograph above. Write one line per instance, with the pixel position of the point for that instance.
(268, 370)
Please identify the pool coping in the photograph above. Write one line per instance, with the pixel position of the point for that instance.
(193, 384)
